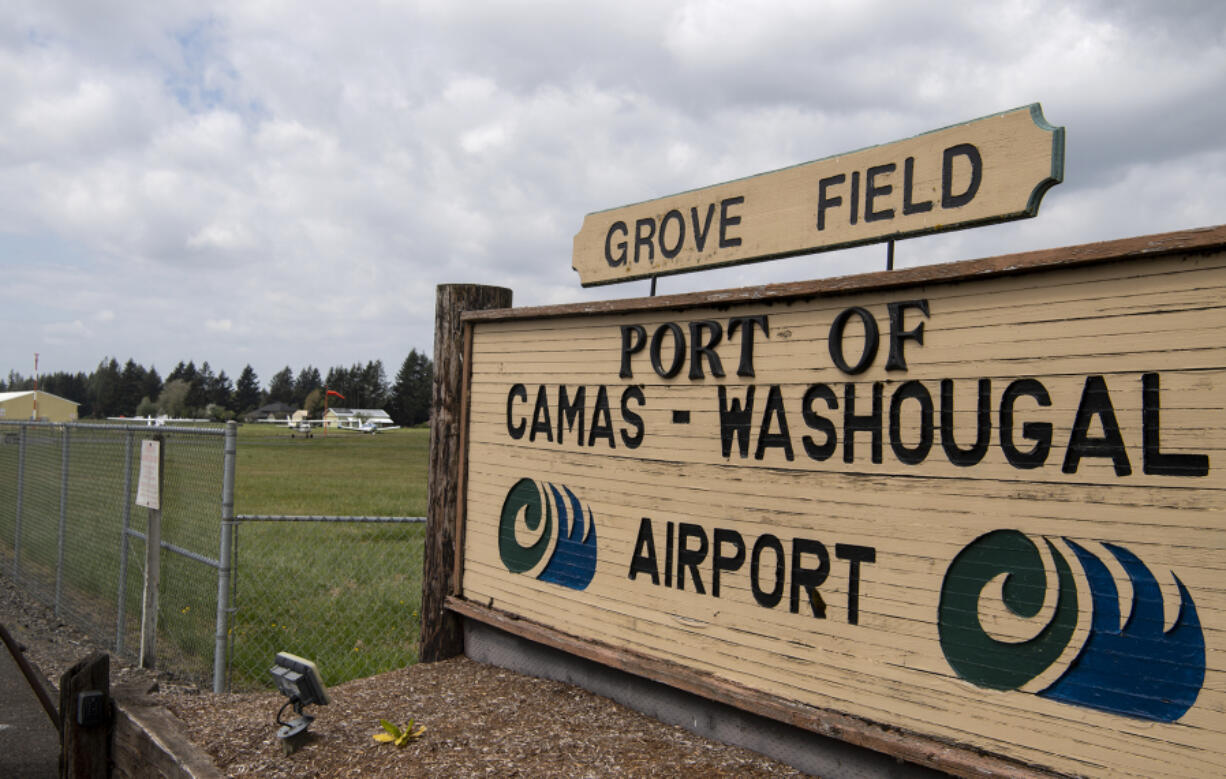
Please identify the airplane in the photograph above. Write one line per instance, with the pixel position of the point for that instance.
(296, 426)
(152, 421)
(367, 427)
(303, 426)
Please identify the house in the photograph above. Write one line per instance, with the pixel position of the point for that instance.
(271, 411)
(19, 406)
(335, 418)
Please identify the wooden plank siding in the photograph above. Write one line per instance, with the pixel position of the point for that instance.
(1132, 332)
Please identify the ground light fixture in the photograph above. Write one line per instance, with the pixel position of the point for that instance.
(298, 679)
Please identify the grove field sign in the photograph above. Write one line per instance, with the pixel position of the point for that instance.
(979, 505)
(989, 170)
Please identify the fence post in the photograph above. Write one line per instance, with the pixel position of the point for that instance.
(122, 597)
(220, 645)
(441, 631)
(153, 570)
(21, 481)
(59, 559)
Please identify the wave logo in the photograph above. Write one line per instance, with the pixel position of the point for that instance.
(1132, 666)
(528, 542)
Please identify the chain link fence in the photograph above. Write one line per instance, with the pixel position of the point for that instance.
(71, 535)
(343, 591)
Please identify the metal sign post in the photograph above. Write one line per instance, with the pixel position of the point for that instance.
(149, 495)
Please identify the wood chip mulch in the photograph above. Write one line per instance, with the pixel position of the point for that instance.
(480, 721)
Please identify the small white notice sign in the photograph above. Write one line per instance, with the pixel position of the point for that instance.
(147, 493)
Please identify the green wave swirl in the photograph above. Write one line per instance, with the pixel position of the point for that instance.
(971, 652)
(524, 495)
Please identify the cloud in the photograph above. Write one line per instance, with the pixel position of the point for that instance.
(62, 333)
(283, 183)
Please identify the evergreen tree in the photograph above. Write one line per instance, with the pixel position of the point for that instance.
(106, 389)
(221, 392)
(183, 371)
(339, 380)
(411, 394)
(198, 396)
(132, 386)
(356, 393)
(281, 388)
(308, 380)
(374, 385)
(151, 387)
(247, 391)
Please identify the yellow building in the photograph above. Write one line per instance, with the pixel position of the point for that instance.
(19, 406)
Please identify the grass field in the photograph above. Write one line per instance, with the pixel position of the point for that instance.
(341, 473)
(345, 595)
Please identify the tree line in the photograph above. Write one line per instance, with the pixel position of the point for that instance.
(113, 390)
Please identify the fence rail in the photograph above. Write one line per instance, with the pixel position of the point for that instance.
(321, 518)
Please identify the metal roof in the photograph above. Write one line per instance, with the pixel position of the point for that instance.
(6, 396)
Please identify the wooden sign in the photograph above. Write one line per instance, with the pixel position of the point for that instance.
(989, 170)
(976, 505)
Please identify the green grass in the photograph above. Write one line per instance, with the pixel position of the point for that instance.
(345, 595)
(342, 473)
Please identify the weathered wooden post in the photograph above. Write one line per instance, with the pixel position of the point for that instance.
(441, 635)
(85, 717)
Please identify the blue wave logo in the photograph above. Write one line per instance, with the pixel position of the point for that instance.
(1138, 669)
(538, 508)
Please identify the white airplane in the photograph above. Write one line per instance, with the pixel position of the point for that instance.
(152, 421)
(296, 426)
(303, 426)
(367, 427)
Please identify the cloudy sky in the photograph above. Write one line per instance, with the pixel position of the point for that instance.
(284, 183)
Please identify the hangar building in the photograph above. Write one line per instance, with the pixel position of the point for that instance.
(19, 406)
